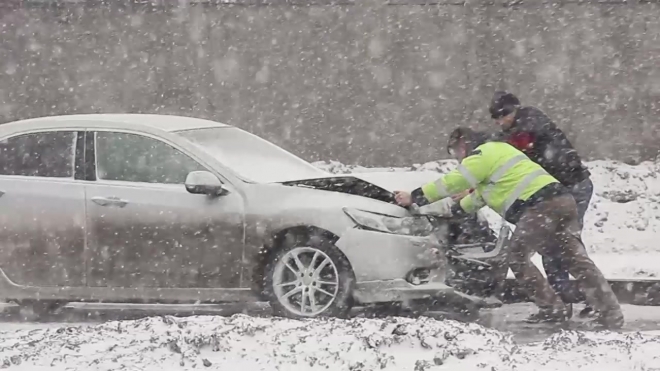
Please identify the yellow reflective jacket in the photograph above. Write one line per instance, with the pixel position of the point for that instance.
(500, 175)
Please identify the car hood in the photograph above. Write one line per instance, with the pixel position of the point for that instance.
(376, 185)
(398, 180)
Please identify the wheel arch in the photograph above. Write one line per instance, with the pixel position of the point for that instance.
(286, 237)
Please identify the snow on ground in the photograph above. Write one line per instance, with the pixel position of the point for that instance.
(253, 343)
(621, 225)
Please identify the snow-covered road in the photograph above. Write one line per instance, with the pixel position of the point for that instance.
(263, 343)
(507, 318)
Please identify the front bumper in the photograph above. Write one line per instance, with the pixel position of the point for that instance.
(399, 290)
(377, 256)
(384, 265)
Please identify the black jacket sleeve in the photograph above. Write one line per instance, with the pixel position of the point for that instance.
(418, 197)
(457, 210)
(551, 148)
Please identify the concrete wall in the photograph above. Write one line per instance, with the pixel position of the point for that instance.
(370, 83)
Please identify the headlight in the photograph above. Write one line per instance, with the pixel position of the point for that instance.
(409, 225)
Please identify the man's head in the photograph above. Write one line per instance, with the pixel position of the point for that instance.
(503, 108)
(463, 141)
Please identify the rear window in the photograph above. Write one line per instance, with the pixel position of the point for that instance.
(47, 154)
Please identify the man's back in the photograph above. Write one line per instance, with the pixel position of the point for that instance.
(540, 139)
(506, 169)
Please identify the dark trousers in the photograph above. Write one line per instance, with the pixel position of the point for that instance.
(551, 227)
(557, 272)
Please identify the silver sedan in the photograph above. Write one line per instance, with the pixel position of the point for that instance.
(169, 209)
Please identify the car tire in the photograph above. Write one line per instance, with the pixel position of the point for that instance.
(324, 290)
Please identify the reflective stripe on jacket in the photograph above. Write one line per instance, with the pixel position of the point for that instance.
(499, 173)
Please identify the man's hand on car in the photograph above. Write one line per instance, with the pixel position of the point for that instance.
(459, 196)
(403, 198)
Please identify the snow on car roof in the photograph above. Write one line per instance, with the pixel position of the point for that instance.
(170, 123)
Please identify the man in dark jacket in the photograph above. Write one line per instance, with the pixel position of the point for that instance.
(532, 132)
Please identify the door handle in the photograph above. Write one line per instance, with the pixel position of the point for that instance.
(109, 201)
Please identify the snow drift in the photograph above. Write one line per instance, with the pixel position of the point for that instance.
(621, 225)
(248, 343)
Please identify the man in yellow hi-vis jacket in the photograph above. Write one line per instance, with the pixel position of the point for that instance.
(544, 212)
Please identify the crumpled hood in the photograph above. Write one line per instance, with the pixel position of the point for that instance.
(375, 185)
(398, 180)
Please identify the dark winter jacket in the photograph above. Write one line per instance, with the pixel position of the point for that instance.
(544, 143)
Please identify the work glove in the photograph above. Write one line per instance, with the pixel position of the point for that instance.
(439, 208)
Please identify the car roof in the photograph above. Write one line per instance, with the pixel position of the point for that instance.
(169, 123)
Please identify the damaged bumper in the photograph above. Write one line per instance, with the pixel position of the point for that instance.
(398, 268)
(399, 290)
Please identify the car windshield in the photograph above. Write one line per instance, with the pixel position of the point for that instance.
(251, 157)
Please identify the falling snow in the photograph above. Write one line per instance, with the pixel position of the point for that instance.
(374, 83)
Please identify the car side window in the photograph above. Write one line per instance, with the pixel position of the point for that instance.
(47, 154)
(136, 158)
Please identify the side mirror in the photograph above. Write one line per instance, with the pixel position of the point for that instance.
(204, 182)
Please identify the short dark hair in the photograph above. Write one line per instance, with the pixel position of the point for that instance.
(471, 138)
(502, 104)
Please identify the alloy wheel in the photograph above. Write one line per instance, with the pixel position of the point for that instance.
(305, 281)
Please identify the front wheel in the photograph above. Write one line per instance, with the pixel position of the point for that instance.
(309, 279)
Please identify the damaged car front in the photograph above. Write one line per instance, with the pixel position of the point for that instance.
(391, 254)
(319, 243)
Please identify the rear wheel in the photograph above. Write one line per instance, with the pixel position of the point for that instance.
(309, 278)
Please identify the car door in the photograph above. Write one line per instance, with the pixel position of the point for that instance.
(146, 230)
(42, 209)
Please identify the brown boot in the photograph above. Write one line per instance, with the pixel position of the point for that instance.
(612, 319)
